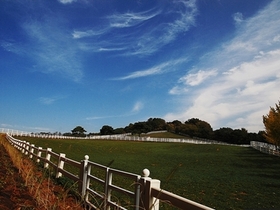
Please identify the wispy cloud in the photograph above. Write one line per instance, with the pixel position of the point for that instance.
(159, 69)
(130, 19)
(178, 90)
(137, 107)
(198, 77)
(19, 128)
(106, 117)
(50, 100)
(88, 33)
(55, 52)
(46, 101)
(152, 29)
(11, 46)
(238, 18)
(6, 125)
(52, 53)
(245, 80)
(66, 1)
(143, 73)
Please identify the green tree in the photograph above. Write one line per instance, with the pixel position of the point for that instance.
(156, 124)
(140, 127)
(198, 128)
(239, 136)
(271, 122)
(176, 126)
(190, 130)
(78, 131)
(119, 131)
(106, 130)
(129, 128)
(223, 134)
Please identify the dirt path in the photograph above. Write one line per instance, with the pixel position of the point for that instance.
(13, 193)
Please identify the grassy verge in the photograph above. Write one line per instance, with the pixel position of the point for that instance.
(222, 177)
(45, 192)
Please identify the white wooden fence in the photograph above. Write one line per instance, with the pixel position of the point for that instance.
(265, 148)
(144, 192)
(124, 137)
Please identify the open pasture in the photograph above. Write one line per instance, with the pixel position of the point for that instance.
(221, 177)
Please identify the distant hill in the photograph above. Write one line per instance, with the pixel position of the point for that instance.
(164, 135)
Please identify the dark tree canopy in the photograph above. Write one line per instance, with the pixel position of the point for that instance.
(140, 127)
(156, 124)
(234, 136)
(199, 128)
(119, 131)
(192, 128)
(106, 130)
(78, 131)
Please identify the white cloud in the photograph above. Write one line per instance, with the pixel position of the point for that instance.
(177, 90)
(246, 93)
(50, 100)
(46, 101)
(52, 53)
(198, 78)
(88, 33)
(5, 125)
(23, 129)
(11, 47)
(143, 73)
(130, 19)
(276, 38)
(55, 52)
(159, 69)
(67, 1)
(246, 81)
(238, 18)
(98, 117)
(137, 106)
(150, 33)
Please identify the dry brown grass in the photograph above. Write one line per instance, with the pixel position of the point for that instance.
(48, 195)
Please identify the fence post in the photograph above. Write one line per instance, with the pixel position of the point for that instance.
(23, 147)
(147, 200)
(48, 157)
(83, 176)
(27, 148)
(31, 151)
(108, 181)
(153, 201)
(39, 154)
(144, 204)
(60, 164)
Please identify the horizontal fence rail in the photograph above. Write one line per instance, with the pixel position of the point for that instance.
(265, 148)
(106, 188)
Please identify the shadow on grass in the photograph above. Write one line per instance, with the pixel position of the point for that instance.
(259, 164)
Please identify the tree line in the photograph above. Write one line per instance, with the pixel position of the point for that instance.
(196, 128)
(192, 128)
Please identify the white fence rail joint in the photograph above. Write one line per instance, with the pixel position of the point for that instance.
(144, 192)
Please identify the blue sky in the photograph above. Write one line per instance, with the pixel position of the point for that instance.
(98, 62)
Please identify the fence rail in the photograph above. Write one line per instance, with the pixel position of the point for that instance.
(125, 137)
(265, 148)
(144, 191)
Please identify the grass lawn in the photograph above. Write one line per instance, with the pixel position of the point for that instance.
(221, 177)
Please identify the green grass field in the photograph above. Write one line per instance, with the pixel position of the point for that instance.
(221, 177)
